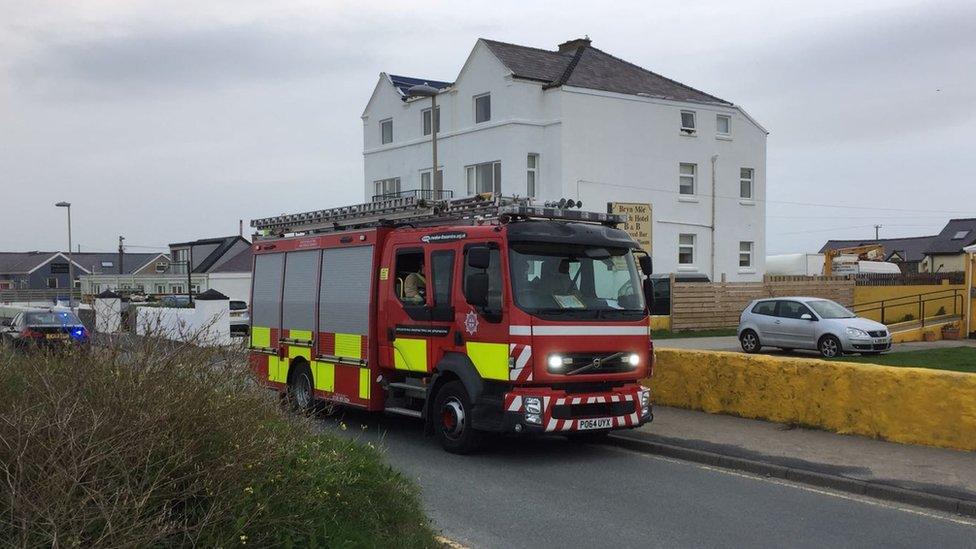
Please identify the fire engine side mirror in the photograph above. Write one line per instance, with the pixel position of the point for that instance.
(476, 289)
(479, 257)
(646, 264)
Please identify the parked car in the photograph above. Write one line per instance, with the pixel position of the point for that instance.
(44, 328)
(809, 323)
(661, 289)
(240, 317)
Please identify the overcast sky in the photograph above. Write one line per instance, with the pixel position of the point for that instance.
(169, 121)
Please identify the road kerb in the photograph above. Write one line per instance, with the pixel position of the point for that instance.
(823, 480)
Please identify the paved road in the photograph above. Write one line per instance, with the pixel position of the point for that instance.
(551, 493)
(731, 343)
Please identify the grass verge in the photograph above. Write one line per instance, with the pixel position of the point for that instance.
(668, 334)
(955, 359)
(172, 445)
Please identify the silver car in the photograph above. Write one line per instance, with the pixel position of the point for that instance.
(809, 323)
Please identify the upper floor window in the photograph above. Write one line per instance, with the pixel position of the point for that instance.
(686, 178)
(688, 122)
(723, 125)
(746, 179)
(386, 131)
(386, 186)
(531, 175)
(107, 264)
(482, 108)
(485, 178)
(161, 266)
(426, 122)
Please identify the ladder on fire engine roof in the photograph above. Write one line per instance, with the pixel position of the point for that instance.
(410, 210)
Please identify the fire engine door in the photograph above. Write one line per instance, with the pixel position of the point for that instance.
(481, 318)
(409, 316)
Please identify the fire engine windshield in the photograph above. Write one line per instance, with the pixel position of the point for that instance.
(550, 280)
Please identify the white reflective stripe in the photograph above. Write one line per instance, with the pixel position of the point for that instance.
(628, 398)
(569, 425)
(591, 400)
(587, 330)
(524, 357)
(577, 400)
(551, 426)
(520, 330)
(516, 404)
(560, 401)
(529, 377)
(615, 398)
(601, 400)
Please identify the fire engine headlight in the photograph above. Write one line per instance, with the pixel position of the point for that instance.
(535, 419)
(555, 362)
(533, 405)
(634, 360)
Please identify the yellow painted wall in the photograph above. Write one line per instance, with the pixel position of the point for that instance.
(909, 405)
(896, 313)
(660, 322)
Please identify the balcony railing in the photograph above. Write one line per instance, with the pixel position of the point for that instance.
(424, 194)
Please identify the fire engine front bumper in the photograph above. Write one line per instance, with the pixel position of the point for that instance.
(545, 410)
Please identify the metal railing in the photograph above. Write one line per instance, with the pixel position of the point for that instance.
(39, 296)
(917, 302)
(425, 194)
(909, 279)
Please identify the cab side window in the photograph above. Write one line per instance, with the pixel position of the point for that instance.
(442, 271)
(494, 272)
(791, 309)
(411, 282)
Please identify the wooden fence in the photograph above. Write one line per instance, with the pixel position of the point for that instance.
(697, 306)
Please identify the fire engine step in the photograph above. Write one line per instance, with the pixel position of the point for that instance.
(403, 412)
(410, 387)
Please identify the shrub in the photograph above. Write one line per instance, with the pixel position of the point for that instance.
(165, 444)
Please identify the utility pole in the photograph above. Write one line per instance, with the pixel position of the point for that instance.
(876, 228)
(121, 253)
(189, 274)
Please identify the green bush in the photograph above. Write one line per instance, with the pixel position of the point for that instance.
(166, 445)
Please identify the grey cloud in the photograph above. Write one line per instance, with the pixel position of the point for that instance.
(189, 58)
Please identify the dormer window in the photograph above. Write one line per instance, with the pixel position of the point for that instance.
(960, 235)
(688, 122)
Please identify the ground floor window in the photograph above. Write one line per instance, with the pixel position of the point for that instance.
(745, 254)
(52, 282)
(686, 249)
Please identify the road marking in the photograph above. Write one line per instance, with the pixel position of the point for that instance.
(789, 484)
(448, 542)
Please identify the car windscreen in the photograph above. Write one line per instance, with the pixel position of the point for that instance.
(828, 309)
(52, 319)
(578, 281)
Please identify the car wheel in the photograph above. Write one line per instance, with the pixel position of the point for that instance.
(301, 397)
(749, 341)
(452, 419)
(829, 347)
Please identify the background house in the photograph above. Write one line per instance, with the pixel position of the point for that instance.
(216, 263)
(908, 253)
(577, 122)
(945, 252)
(49, 270)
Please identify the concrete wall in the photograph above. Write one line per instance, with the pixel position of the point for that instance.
(236, 286)
(910, 405)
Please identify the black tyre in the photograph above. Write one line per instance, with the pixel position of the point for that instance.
(300, 394)
(452, 419)
(829, 347)
(750, 341)
(588, 437)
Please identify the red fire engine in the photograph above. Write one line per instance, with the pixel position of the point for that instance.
(481, 314)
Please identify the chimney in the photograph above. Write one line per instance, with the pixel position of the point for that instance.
(572, 45)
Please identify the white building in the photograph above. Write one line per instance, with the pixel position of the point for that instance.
(579, 123)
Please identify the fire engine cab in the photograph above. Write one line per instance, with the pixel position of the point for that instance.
(481, 314)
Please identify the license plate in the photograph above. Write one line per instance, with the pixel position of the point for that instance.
(881, 341)
(56, 336)
(598, 423)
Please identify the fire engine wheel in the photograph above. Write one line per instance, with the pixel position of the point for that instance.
(300, 395)
(452, 419)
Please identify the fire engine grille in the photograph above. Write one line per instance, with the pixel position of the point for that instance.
(596, 409)
(572, 361)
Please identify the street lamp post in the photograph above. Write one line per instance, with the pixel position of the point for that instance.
(71, 261)
(424, 90)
